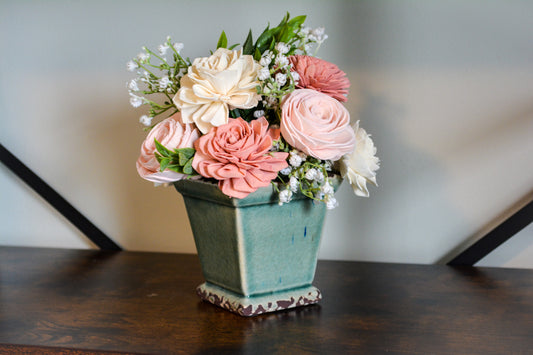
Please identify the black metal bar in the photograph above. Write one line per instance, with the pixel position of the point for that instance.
(57, 201)
(514, 224)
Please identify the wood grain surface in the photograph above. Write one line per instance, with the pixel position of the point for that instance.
(83, 301)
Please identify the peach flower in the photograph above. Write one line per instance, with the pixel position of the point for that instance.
(316, 124)
(172, 134)
(237, 154)
(320, 75)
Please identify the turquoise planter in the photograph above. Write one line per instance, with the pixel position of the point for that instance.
(256, 255)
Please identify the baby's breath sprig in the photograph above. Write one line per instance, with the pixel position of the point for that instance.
(157, 73)
(276, 78)
(308, 176)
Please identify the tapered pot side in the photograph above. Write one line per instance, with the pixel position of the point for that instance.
(253, 246)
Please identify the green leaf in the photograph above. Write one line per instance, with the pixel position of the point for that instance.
(296, 22)
(233, 46)
(176, 168)
(184, 154)
(272, 44)
(248, 46)
(285, 19)
(264, 40)
(257, 55)
(161, 149)
(165, 162)
(285, 34)
(187, 167)
(222, 41)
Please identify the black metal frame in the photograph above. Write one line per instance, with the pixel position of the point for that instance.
(57, 201)
(499, 235)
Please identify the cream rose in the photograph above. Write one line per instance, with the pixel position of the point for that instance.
(316, 124)
(172, 134)
(359, 167)
(216, 84)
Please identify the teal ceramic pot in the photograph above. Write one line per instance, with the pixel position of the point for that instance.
(256, 255)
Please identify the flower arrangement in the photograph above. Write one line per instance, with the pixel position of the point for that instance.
(266, 113)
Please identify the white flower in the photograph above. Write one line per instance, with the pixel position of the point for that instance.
(282, 60)
(144, 76)
(164, 82)
(294, 184)
(295, 158)
(295, 76)
(163, 48)
(282, 47)
(359, 167)
(265, 61)
(143, 57)
(320, 176)
(259, 113)
(311, 174)
(135, 100)
(263, 73)
(216, 84)
(286, 171)
(304, 32)
(131, 65)
(178, 46)
(327, 188)
(281, 79)
(145, 120)
(331, 202)
(132, 85)
(319, 34)
(285, 196)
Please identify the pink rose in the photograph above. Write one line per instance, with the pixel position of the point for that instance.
(237, 154)
(320, 75)
(316, 124)
(172, 134)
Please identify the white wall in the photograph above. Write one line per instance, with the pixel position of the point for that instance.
(445, 88)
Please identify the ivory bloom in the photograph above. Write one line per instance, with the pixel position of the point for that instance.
(172, 134)
(359, 167)
(216, 84)
(316, 124)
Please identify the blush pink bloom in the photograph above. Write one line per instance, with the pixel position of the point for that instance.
(316, 124)
(320, 75)
(172, 134)
(237, 155)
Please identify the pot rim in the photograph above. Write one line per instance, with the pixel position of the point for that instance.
(208, 190)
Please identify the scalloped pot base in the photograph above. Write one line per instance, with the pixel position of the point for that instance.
(254, 305)
(256, 255)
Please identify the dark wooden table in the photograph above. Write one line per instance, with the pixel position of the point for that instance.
(82, 301)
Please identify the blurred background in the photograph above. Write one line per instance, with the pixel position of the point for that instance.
(444, 87)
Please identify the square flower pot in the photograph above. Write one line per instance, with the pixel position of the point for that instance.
(256, 255)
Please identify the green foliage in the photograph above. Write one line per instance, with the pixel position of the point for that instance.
(286, 31)
(222, 41)
(178, 160)
(248, 46)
